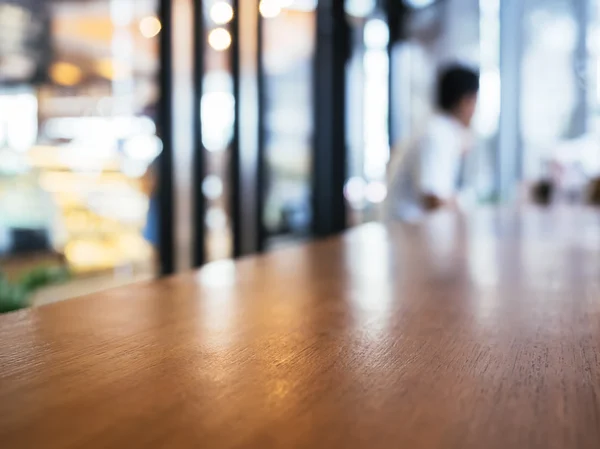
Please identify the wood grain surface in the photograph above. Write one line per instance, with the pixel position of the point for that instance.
(479, 332)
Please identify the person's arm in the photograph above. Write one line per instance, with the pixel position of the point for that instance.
(435, 168)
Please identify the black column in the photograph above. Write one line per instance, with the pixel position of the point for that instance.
(250, 125)
(329, 157)
(235, 162)
(261, 168)
(166, 238)
(395, 15)
(199, 168)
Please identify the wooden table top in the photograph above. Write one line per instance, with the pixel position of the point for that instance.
(479, 332)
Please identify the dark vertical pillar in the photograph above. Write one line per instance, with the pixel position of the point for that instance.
(166, 240)
(393, 21)
(235, 162)
(329, 157)
(395, 14)
(199, 206)
(249, 125)
(261, 169)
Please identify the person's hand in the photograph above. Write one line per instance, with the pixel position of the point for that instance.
(431, 202)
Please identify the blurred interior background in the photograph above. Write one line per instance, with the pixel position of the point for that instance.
(145, 137)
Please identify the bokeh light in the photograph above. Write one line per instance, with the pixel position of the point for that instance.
(65, 74)
(360, 8)
(219, 39)
(212, 187)
(376, 192)
(150, 27)
(221, 13)
(354, 190)
(216, 218)
(269, 9)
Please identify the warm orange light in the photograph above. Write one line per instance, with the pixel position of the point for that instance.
(110, 69)
(150, 27)
(219, 39)
(65, 74)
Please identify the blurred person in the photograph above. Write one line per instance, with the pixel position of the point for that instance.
(148, 188)
(567, 170)
(425, 176)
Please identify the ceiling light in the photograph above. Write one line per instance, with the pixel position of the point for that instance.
(269, 9)
(221, 13)
(150, 27)
(219, 39)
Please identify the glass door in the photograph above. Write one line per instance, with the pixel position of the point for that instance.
(559, 109)
(218, 122)
(288, 46)
(367, 116)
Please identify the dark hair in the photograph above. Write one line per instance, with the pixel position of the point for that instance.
(455, 83)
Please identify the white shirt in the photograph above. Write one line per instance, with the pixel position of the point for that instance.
(430, 165)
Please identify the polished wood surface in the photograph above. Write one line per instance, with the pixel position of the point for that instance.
(465, 332)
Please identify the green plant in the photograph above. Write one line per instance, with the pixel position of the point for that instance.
(17, 295)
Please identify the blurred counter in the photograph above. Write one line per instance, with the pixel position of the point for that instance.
(95, 218)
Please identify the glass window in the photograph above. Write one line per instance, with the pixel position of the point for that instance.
(548, 102)
(589, 72)
(367, 117)
(559, 109)
(287, 63)
(78, 96)
(487, 118)
(218, 121)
